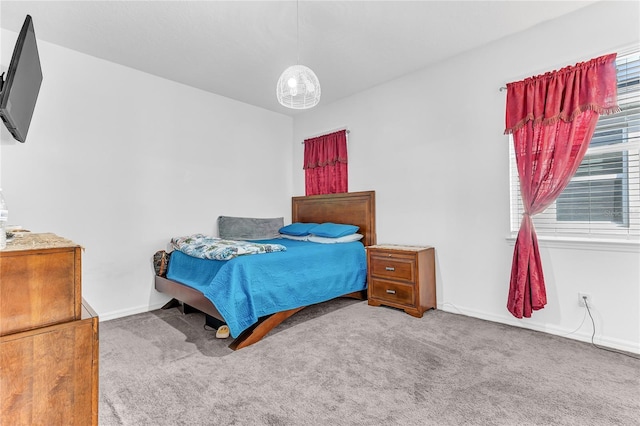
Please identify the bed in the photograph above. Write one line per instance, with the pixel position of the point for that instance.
(355, 208)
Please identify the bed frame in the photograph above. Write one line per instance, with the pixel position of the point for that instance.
(355, 208)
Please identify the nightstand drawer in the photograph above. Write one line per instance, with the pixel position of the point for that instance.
(394, 292)
(394, 266)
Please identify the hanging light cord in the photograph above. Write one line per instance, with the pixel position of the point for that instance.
(298, 32)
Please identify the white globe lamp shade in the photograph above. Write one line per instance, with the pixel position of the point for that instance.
(298, 88)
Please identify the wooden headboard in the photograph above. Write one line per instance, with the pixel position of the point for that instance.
(353, 208)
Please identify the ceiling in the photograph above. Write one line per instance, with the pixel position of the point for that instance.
(238, 49)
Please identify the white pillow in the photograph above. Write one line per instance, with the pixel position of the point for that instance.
(328, 240)
(295, 237)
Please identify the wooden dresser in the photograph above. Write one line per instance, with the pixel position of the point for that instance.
(48, 335)
(402, 277)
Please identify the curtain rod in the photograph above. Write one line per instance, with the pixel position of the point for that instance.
(326, 133)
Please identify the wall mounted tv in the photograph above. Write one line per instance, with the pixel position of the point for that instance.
(19, 91)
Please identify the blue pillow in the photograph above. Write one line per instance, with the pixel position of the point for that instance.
(333, 230)
(297, 229)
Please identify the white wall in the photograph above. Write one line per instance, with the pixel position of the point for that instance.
(120, 161)
(432, 146)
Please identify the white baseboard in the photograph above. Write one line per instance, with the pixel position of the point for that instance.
(130, 311)
(623, 345)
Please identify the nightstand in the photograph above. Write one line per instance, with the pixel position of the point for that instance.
(402, 277)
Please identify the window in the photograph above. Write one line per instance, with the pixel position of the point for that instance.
(603, 198)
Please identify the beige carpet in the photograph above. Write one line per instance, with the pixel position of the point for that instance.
(346, 363)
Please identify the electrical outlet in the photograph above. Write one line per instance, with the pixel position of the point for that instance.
(581, 299)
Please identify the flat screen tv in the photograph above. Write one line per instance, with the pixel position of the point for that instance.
(19, 91)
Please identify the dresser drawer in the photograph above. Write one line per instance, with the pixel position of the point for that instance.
(392, 292)
(39, 288)
(394, 266)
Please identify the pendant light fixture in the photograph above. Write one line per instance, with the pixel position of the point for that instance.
(298, 87)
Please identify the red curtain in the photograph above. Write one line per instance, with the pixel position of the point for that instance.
(552, 118)
(325, 164)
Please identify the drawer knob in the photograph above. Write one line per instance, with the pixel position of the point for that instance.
(391, 291)
(390, 268)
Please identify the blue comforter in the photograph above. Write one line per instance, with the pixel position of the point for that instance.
(246, 288)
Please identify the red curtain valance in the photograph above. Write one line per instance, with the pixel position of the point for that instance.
(563, 94)
(325, 150)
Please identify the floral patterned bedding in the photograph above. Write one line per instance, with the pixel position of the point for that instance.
(206, 247)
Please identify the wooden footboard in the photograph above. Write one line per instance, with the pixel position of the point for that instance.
(260, 329)
(192, 297)
(187, 295)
